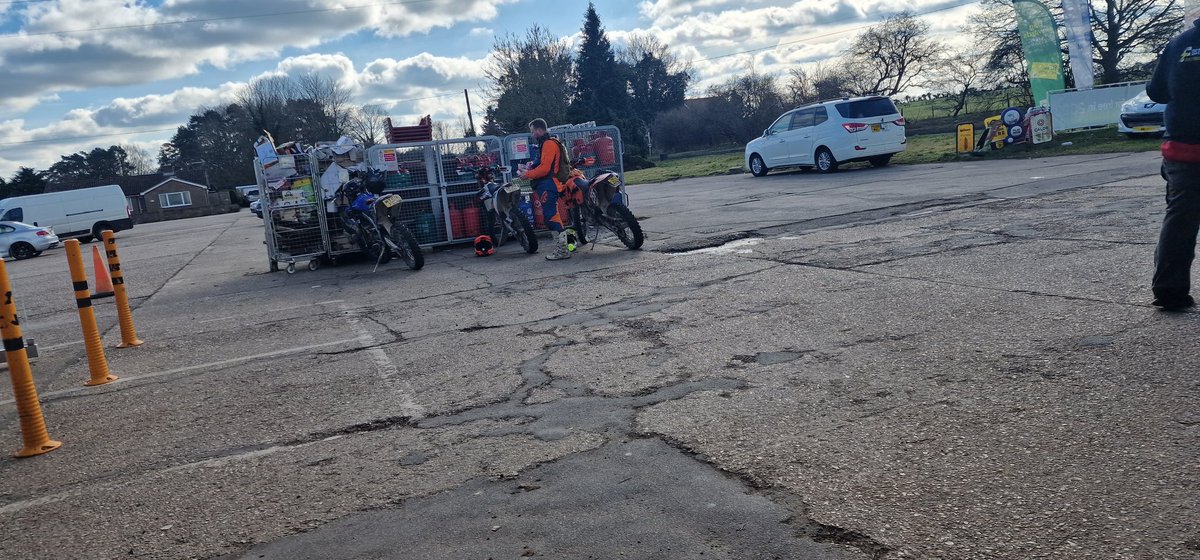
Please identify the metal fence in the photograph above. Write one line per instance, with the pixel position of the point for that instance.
(1086, 108)
(440, 204)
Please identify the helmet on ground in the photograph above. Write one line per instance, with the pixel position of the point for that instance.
(572, 239)
(484, 246)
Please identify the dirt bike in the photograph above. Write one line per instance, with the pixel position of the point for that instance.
(605, 205)
(503, 218)
(372, 220)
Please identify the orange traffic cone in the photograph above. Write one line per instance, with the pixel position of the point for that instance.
(104, 285)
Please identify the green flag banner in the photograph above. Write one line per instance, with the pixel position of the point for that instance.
(1039, 40)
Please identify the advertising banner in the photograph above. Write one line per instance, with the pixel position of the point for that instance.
(1077, 19)
(1039, 40)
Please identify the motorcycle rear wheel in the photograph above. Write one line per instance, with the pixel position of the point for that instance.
(410, 251)
(626, 227)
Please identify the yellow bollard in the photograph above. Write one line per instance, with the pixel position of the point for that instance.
(97, 362)
(129, 337)
(33, 425)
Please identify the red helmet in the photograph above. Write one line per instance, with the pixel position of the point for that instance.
(484, 246)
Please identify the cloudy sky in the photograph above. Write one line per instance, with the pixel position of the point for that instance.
(75, 74)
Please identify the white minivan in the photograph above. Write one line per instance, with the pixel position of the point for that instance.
(827, 134)
(83, 213)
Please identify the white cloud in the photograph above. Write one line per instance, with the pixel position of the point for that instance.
(482, 32)
(40, 59)
(406, 87)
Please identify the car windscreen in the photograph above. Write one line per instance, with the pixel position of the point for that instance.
(867, 108)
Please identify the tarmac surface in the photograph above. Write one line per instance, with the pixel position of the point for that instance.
(953, 361)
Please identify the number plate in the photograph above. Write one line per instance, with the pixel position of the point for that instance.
(614, 180)
(392, 200)
(1145, 128)
(876, 127)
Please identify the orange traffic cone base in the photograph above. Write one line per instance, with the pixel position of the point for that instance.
(102, 381)
(133, 344)
(47, 447)
(104, 284)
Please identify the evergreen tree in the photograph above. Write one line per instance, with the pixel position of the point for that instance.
(491, 125)
(26, 181)
(601, 92)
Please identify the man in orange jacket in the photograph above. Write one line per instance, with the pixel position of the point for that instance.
(552, 163)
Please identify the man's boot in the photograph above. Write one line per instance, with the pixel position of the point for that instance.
(560, 248)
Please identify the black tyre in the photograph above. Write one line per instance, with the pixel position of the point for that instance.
(627, 228)
(757, 167)
(99, 229)
(22, 251)
(525, 234)
(410, 251)
(881, 161)
(825, 161)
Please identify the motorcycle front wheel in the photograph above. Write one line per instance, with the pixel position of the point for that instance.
(622, 222)
(524, 233)
(409, 251)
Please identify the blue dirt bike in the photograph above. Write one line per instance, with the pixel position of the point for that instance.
(372, 220)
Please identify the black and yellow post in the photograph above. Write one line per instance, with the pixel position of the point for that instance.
(35, 439)
(129, 337)
(97, 362)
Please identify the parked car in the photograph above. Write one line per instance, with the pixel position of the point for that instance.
(827, 134)
(1141, 115)
(256, 208)
(82, 213)
(23, 241)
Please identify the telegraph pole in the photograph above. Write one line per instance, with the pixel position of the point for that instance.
(470, 118)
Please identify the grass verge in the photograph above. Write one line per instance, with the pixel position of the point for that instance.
(926, 148)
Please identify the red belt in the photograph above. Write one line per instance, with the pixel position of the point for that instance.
(1181, 152)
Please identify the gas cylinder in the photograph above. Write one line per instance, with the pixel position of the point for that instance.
(472, 220)
(457, 222)
(539, 219)
(606, 151)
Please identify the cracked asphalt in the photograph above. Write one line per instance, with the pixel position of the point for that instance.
(953, 362)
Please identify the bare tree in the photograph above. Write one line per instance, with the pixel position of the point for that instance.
(366, 125)
(334, 100)
(265, 100)
(821, 82)
(141, 161)
(891, 57)
(959, 76)
(1124, 29)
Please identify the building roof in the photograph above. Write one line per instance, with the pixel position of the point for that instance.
(173, 180)
(132, 185)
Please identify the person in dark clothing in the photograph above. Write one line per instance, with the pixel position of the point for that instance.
(1176, 82)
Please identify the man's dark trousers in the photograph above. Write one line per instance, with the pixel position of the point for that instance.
(1177, 241)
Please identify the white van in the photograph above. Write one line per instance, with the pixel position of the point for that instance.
(82, 213)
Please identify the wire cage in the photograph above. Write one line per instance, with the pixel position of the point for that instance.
(292, 211)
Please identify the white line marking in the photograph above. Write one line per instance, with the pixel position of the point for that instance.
(387, 368)
(211, 365)
(57, 346)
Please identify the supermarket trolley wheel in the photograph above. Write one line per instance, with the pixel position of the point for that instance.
(274, 266)
(291, 269)
(314, 264)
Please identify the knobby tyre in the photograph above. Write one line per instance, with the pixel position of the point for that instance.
(410, 251)
(625, 226)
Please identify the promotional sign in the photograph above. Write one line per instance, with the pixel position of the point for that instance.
(996, 133)
(966, 137)
(1013, 120)
(1040, 127)
(1077, 19)
(1039, 41)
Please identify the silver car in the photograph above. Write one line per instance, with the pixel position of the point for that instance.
(23, 241)
(1141, 115)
